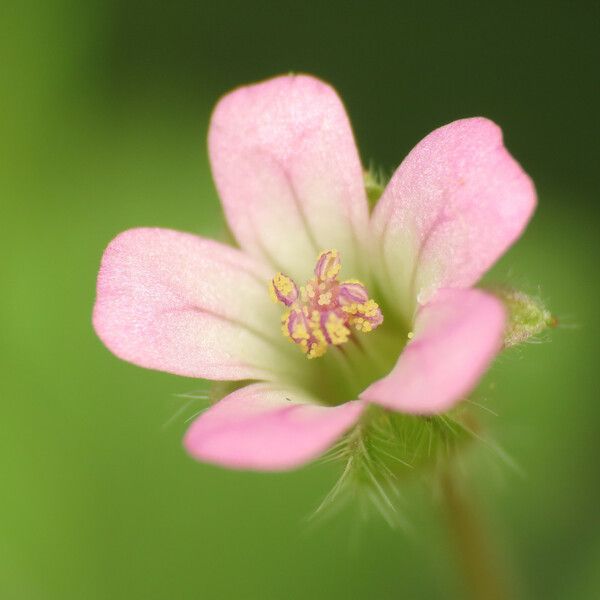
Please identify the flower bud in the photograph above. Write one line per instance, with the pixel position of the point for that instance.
(527, 316)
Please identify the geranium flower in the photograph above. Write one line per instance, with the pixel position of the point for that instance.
(387, 317)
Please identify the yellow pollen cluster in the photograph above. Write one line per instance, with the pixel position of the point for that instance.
(324, 299)
(368, 308)
(307, 292)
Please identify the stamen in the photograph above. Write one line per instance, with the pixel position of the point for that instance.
(322, 312)
(283, 289)
(328, 265)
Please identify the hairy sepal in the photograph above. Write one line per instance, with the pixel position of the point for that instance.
(385, 449)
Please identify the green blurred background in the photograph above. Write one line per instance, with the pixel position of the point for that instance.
(105, 108)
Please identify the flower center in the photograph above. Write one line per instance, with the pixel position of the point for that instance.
(325, 311)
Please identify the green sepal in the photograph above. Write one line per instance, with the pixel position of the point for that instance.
(375, 183)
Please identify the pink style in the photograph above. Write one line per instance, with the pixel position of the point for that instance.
(382, 302)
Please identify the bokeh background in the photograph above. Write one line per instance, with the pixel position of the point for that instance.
(105, 108)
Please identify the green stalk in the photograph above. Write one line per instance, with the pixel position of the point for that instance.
(478, 565)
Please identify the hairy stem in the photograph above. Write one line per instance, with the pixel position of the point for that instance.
(479, 568)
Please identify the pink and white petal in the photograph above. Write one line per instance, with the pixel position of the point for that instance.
(288, 172)
(179, 303)
(456, 336)
(266, 427)
(452, 208)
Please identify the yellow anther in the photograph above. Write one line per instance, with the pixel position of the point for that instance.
(299, 332)
(369, 308)
(351, 309)
(283, 289)
(332, 271)
(317, 349)
(336, 330)
(328, 265)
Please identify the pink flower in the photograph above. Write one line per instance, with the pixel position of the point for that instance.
(409, 334)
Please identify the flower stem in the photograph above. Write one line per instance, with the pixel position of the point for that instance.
(480, 569)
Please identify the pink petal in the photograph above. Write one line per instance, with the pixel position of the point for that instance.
(179, 303)
(288, 172)
(267, 428)
(452, 208)
(456, 336)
